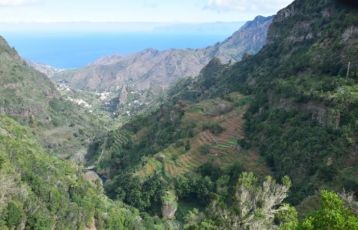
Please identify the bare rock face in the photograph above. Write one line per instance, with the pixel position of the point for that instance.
(248, 40)
(169, 205)
(93, 178)
(168, 211)
(92, 226)
(151, 68)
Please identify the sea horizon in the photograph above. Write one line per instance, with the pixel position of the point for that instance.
(74, 49)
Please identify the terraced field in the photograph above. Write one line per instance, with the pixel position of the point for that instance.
(222, 148)
(160, 161)
(117, 140)
(151, 166)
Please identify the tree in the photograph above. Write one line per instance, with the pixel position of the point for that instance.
(332, 215)
(256, 206)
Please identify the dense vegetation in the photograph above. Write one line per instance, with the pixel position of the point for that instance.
(39, 191)
(300, 116)
(303, 118)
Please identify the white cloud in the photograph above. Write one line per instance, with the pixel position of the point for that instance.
(247, 6)
(6, 3)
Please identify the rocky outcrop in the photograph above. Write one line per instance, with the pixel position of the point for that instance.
(92, 225)
(169, 205)
(93, 178)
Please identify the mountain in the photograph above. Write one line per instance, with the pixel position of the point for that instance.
(195, 28)
(291, 109)
(62, 126)
(137, 81)
(48, 70)
(159, 69)
(248, 40)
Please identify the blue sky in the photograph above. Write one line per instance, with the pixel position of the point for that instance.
(192, 11)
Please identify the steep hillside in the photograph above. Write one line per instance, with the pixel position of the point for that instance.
(299, 100)
(30, 97)
(303, 118)
(39, 191)
(24, 92)
(159, 69)
(186, 141)
(304, 87)
(249, 39)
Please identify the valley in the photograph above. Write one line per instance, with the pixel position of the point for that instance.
(256, 132)
(137, 81)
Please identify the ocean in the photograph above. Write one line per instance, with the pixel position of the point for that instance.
(73, 50)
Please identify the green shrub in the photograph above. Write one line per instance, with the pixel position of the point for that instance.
(14, 214)
(331, 215)
(214, 127)
(204, 149)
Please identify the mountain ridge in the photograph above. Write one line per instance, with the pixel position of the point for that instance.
(162, 68)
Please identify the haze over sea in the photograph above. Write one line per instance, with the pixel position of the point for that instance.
(73, 49)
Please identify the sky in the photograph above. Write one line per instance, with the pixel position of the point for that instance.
(179, 11)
